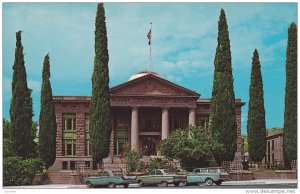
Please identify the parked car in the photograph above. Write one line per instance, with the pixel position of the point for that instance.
(107, 178)
(209, 176)
(161, 176)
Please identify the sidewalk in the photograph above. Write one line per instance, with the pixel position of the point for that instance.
(227, 183)
(50, 186)
(261, 182)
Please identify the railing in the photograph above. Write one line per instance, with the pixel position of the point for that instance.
(124, 168)
(294, 164)
(83, 170)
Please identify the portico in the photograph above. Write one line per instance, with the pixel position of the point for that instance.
(157, 107)
(155, 122)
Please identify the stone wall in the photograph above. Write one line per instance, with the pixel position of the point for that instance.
(240, 176)
(286, 174)
(59, 134)
(80, 134)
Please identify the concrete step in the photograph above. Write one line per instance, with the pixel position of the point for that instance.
(59, 177)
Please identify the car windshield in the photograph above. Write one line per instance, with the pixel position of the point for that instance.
(105, 174)
(168, 172)
(212, 170)
(216, 170)
(203, 170)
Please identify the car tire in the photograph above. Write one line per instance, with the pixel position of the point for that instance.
(164, 184)
(89, 184)
(126, 185)
(209, 181)
(111, 185)
(183, 183)
(176, 184)
(141, 184)
(218, 183)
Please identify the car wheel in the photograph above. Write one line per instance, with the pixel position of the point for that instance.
(164, 184)
(89, 184)
(209, 181)
(141, 184)
(111, 185)
(126, 185)
(176, 184)
(184, 183)
(218, 183)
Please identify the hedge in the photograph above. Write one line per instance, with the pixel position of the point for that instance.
(20, 172)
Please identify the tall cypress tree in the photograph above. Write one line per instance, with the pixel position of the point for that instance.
(223, 118)
(290, 112)
(100, 124)
(21, 107)
(47, 132)
(256, 124)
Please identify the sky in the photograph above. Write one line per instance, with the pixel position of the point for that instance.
(184, 40)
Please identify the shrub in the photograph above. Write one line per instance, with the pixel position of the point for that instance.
(20, 172)
(35, 164)
(156, 163)
(132, 158)
(161, 163)
(194, 147)
(7, 151)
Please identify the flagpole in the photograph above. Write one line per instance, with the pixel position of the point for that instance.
(151, 47)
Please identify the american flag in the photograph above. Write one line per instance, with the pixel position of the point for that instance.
(149, 37)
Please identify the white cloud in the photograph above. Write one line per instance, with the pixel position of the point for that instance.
(35, 86)
(184, 40)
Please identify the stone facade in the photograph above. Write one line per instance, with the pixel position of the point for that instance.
(274, 153)
(144, 111)
(59, 134)
(80, 134)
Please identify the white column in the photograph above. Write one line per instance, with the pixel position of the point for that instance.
(135, 129)
(192, 117)
(164, 123)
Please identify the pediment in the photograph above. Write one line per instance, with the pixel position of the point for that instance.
(151, 85)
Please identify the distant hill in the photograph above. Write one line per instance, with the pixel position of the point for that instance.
(274, 131)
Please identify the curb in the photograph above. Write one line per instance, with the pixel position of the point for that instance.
(261, 182)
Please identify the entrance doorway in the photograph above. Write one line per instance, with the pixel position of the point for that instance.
(149, 145)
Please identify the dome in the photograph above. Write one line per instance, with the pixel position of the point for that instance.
(143, 73)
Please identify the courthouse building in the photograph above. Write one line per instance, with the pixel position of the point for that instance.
(144, 111)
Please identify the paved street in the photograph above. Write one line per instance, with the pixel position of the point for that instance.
(254, 184)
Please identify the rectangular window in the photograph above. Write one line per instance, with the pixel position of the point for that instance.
(69, 121)
(72, 165)
(65, 165)
(273, 159)
(268, 148)
(69, 147)
(119, 146)
(273, 145)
